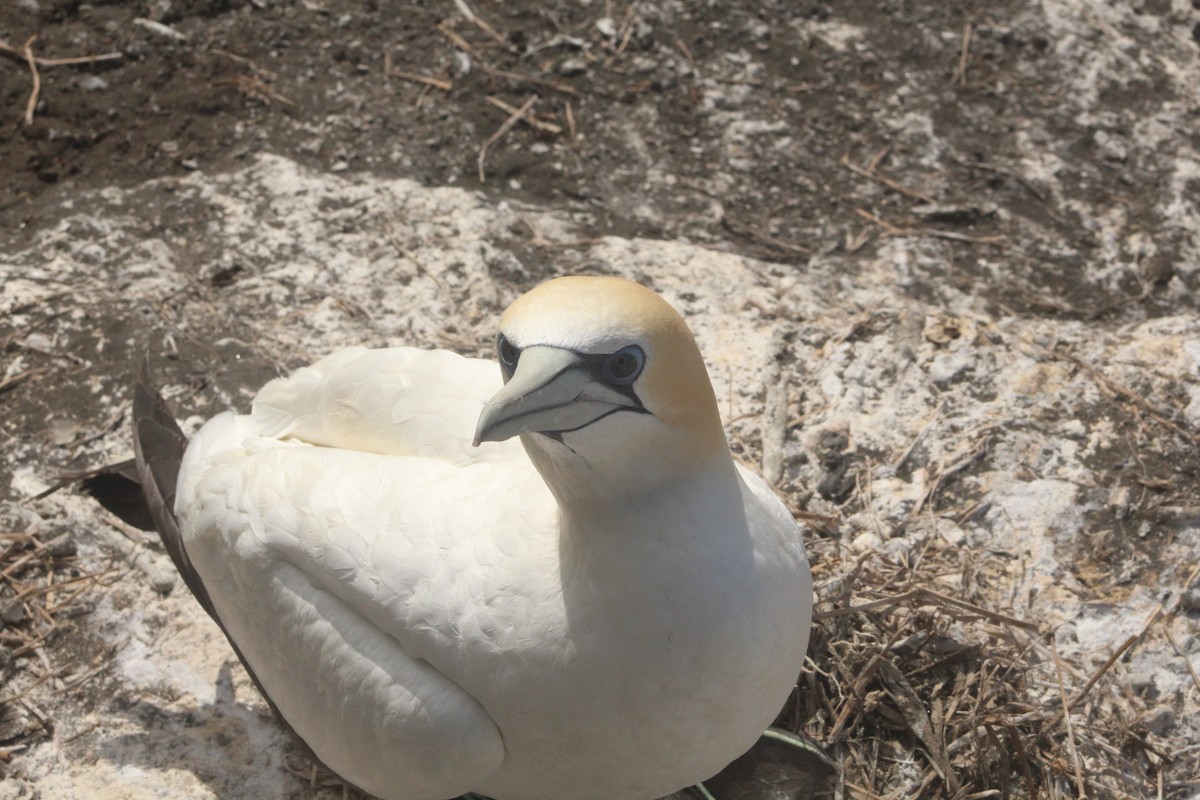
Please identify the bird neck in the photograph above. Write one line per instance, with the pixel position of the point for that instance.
(641, 493)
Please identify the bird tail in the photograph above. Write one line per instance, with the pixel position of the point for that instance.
(158, 445)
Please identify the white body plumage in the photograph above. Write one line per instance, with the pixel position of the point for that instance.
(602, 613)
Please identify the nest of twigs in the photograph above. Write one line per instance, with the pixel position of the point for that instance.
(921, 687)
(42, 590)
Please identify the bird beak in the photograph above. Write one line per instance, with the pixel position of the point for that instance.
(552, 391)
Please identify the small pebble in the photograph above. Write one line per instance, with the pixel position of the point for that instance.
(1190, 600)
(12, 611)
(93, 83)
(62, 431)
(1141, 681)
(572, 66)
(866, 543)
(166, 31)
(643, 65)
(951, 533)
(61, 546)
(1160, 719)
(462, 64)
(1119, 501)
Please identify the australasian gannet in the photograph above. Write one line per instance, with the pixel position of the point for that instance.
(611, 610)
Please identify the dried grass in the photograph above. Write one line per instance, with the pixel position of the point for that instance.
(42, 588)
(940, 693)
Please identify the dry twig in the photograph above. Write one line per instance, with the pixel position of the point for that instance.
(960, 74)
(626, 33)
(1066, 715)
(504, 128)
(518, 77)
(456, 40)
(530, 119)
(992, 168)
(19, 54)
(540, 240)
(13, 380)
(31, 104)
(894, 185)
(983, 711)
(683, 48)
(1175, 646)
(436, 83)
(478, 21)
(937, 412)
(751, 232)
(1105, 667)
(893, 230)
(570, 114)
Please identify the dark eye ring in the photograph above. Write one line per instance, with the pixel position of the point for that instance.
(624, 366)
(508, 353)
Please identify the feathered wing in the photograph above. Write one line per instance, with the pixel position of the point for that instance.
(395, 401)
(351, 580)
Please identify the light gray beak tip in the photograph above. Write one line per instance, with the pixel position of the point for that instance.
(483, 430)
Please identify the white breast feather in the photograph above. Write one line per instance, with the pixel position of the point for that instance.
(400, 594)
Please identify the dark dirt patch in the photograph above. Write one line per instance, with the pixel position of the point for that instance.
(1153, 494)
(724, 125)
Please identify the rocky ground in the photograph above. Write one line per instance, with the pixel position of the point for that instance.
(943, 261)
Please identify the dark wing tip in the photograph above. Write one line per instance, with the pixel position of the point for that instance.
(118, 489)
(158, 446)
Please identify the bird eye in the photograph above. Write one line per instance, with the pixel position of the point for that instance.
(508, 353)
(623, 366)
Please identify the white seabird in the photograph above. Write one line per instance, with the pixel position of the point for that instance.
(611, 609)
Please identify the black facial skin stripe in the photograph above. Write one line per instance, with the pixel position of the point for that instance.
(590, 363)
(593, 365)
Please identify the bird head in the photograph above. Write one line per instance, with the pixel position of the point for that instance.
(606, 387)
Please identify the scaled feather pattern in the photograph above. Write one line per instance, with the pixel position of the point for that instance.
(540, 581)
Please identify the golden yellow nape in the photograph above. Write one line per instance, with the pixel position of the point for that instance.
(593, 601)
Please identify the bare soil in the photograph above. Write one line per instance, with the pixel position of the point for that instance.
(725, 124)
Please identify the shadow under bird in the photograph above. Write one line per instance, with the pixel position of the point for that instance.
(588, 599)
